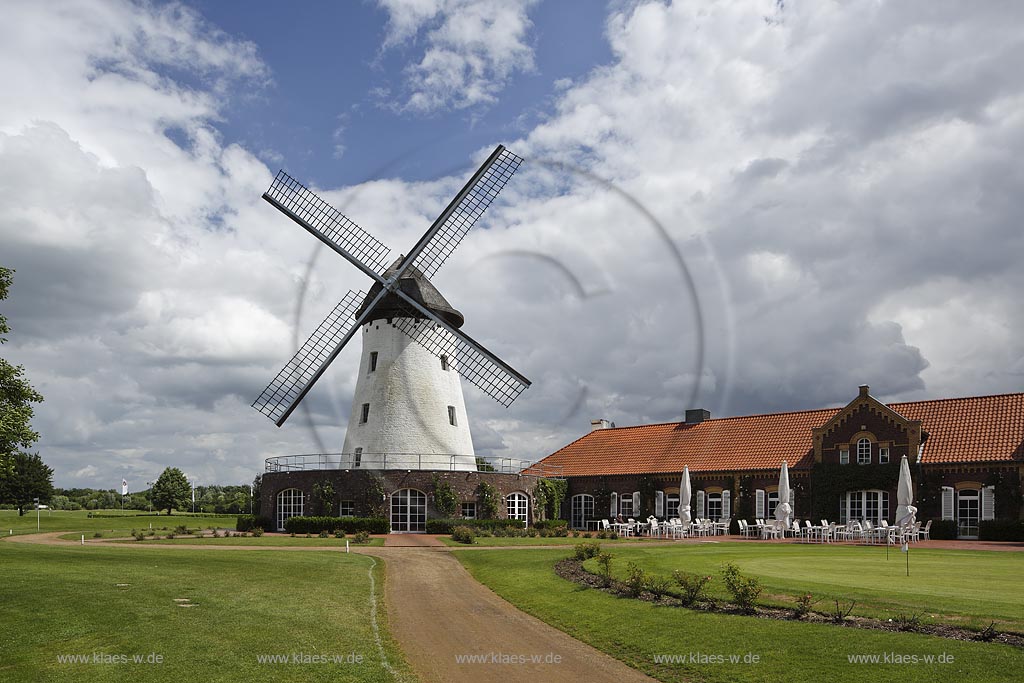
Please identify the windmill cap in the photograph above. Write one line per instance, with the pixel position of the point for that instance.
(416, 285)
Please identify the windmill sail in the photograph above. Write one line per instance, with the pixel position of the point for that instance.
(328, 224)
(296, 378)
(462, 213)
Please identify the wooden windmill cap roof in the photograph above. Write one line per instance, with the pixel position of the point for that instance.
(416, 285)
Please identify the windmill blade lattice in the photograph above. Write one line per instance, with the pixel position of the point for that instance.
(288, 387)
(466, 356)
(464, 211)
(296, 200)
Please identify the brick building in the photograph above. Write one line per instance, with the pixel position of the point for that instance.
(966, 454)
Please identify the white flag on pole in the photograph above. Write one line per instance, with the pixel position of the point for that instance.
(905, 548)
(124, 487)
(193, 494)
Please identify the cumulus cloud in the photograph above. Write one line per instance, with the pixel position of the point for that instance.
(734, 213)
(471, 49)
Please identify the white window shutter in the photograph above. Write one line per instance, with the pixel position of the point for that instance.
(947, 502)
(726, 509)
(988, 502)
(615, 504)
(759, 504)
(636, 503)
(659, 503)
(700, 505)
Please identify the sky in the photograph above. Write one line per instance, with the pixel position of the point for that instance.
(746, 207)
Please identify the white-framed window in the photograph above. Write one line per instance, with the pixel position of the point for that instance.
(444, 362)
(451, 415)
(347, 508)
(468, 510)
(364, 413)
(714, 505)
(581, 509)
(289, 504)
(771, 501)
(626, 505)
(870, 505)
(672, 506)
(883, 456)
(863, 452)
(357, 457)
(844, 456)
(517, 506)
(373, 361)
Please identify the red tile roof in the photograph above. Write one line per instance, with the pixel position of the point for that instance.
(979, 429)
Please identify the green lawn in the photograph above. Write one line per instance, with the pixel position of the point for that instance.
(638, 632)
(79, 520)
(962, 587)
(59, 601)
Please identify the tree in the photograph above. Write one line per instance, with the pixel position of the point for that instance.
(30, 478)
(171, 490)
(16, 399)
(257, 484)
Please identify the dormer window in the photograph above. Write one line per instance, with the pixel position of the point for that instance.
(863, 452)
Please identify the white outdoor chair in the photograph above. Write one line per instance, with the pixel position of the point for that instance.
(926, 532)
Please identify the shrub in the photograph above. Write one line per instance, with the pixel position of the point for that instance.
(839, 614)
(351, 525)
(604, 561)
(636, 579)
(339, 533)
(803, 606)
(257, 531)
(744, 589)
(324, 533)
(463, 534)
(181, 529)
(138, 535)
(658, 585)
(170, 535)
(693, 586)
(249, 522)
(98, 534)
(907, 623)
(552, 524)
(586, 550)
(998, 530)
(361, 537)
(943, 529)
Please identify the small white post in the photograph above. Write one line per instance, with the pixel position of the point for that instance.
(83, 539)
(346, 545)
(11, 532)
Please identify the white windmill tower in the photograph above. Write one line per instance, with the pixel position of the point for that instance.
(408, 411)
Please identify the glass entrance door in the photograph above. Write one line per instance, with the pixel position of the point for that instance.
(408, 511)
(968, 512)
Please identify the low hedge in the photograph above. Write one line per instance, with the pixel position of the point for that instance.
(551, 524)
(250, 522)
(943, 530)
(998, 530)
(350, 525)
(446, 526)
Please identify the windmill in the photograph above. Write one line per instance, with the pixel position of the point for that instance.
(401, 294)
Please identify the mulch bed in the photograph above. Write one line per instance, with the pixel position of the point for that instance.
(572, 570)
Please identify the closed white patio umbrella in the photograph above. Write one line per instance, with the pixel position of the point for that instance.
(684, 497)
(783, 511)
(906, 513)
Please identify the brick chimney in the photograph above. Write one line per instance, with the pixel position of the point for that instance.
(863, 390)
(697, 415)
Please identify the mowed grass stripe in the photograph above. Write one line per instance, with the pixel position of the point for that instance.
(795, 652)
(65, 600)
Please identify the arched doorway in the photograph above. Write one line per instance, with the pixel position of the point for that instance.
(408, 511)
(289, 504)
(518, 507)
